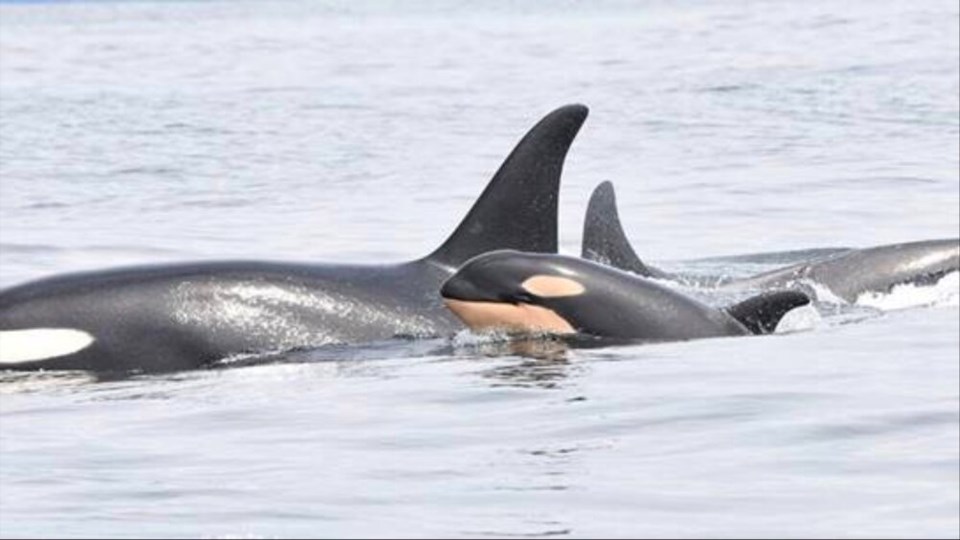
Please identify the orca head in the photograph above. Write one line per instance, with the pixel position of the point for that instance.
(515, 292)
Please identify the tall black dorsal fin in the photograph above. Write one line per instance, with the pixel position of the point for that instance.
(761, 313)
(603, 238)
(518, 209)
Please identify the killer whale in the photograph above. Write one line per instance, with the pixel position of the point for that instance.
(182, 316)
(557, 294)
(847, 273)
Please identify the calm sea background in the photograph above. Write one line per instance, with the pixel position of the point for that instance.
(135, 132)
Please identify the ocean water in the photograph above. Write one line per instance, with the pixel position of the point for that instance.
(134, 132)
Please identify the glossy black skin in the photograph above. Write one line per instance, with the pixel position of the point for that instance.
(614, 304)
(168, 318)
(847, 273)
(604, 240)
(877, 269)
(174, 317)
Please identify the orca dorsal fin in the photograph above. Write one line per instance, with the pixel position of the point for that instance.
(603, 238)
(761, 313)
(518, 208)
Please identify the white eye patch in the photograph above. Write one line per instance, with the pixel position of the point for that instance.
(546, 286)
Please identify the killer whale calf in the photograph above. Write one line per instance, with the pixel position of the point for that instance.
(847, 273)
(557, 294)
(174, 317)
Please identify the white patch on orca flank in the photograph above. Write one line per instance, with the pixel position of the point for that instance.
(18, 346)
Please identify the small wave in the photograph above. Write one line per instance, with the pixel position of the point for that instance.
(728, 88)
(8, 247)
(46, 205)
(469, 338)
(537, 345)
(225, 202)
(238, 536)
(147, 170)
(22, 382)
(244, 359)
(944, 293)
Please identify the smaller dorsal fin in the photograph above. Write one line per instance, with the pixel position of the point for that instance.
(603, 238)
(761, 313)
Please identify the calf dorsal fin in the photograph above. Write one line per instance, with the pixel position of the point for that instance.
(603, 238)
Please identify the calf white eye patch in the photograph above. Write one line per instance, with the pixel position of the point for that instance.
(546, 286)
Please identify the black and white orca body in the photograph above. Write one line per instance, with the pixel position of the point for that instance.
(846, 273)
(174, 317)
(861, 271)
(532, 292)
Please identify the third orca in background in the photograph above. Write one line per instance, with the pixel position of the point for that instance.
(173, 317)
(847, 273)
(536, 292)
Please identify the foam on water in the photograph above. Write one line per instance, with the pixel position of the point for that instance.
(469, 338)
(944, 293)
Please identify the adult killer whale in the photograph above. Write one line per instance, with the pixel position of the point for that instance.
(847, 273)
(535, 292)
(174, 317)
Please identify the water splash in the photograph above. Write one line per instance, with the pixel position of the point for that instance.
(800, 319)
(469, 338)
(821, 292)
(944, 293)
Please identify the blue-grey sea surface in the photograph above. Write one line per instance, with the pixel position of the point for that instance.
(150, 131)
